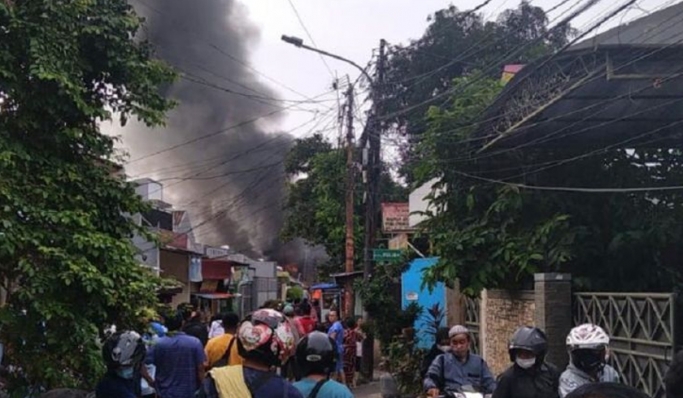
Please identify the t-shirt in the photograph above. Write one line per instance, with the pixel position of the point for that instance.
(112, 386)
(178, 359)
(307, 323)
(331, 389)
(276, 386)
(216, 347)
(338, 329)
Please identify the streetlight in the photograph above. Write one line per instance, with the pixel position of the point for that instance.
(298, 42)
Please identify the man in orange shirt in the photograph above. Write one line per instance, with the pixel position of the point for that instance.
(222, 350)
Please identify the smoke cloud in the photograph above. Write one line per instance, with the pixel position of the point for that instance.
(233, 182)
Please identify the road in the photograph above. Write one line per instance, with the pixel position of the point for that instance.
(369, 390)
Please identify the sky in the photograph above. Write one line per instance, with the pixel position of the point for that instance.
(353, 28)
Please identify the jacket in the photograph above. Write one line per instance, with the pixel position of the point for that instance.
(573, 378)
(541, 381)
(447, 373)
(428, 359)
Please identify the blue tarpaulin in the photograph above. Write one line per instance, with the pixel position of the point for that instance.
(324, 286)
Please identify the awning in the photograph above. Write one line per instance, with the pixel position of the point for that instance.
(216, 269)
(214, 296)
(324, 286)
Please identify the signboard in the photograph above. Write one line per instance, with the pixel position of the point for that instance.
(411, 296)
(386, 255)
(395, 217)
(215, 252)
(509, 71)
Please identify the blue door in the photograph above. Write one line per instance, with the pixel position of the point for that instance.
(411, 280)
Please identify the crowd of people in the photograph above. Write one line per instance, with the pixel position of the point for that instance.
(451, 367)
(284, 350)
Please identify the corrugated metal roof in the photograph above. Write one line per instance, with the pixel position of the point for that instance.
(663, 27)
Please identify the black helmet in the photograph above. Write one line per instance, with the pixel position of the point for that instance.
(125, 349)
(316, 354)
(529, 339)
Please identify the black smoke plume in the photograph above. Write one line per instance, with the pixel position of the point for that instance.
(234, 181)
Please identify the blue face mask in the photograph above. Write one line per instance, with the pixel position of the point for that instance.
(125, 373)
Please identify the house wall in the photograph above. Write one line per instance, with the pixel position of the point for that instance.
(411, 291)
(502, 313)
(176, 266)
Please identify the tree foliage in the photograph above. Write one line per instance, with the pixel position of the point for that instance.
(66, 259)
(454, 45)
(496, 235)
(315, 209)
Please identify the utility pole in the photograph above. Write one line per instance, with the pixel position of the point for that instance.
(373, 173)
(350, 182)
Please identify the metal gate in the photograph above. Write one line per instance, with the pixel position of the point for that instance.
(642, 329)
(472, 321)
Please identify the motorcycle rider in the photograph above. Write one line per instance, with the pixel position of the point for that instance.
(123, 354)
(458, 369)
(264, 341)
(587, 346)
(530, 376)
(316, 357)
(441, 345)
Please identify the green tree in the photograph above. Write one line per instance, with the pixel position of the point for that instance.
(315, 209)
(480, 231)
(493, 235)
(454, 45)
(66, 260)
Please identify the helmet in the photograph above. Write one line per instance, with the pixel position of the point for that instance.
(265, 336)
(530, 339)
(588, 336)
(123, 349)
(587, 345)
(316, 354)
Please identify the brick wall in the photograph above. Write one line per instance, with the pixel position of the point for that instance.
(502, 313)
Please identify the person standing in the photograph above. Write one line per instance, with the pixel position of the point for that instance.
(359, 348)
(194, 327)
(123, 354)
(179, 360)
(351, 338)
(265, 341)
(336, 332)
(316, 354)
(222, 350)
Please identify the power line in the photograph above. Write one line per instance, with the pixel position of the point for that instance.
(213, 134)
(301, 22)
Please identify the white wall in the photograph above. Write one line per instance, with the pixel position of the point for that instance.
(418, 203)
(149, 189)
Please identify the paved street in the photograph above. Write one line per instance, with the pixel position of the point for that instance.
(370, 390)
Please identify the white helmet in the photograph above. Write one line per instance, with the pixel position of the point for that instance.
(587, 336)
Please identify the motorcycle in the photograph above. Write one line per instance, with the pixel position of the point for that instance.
(466, 391)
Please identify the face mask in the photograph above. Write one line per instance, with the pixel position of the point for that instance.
(125, 373)
(444, 348)
(525, 363)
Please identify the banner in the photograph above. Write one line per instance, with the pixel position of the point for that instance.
(395, 217)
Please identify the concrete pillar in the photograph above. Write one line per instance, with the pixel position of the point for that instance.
(553, 302)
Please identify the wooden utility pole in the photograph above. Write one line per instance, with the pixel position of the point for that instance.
(350, 183)
(373, 172)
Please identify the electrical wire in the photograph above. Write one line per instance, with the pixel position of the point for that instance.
(308, 33)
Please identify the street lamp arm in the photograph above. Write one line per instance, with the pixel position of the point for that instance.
(300, 43)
